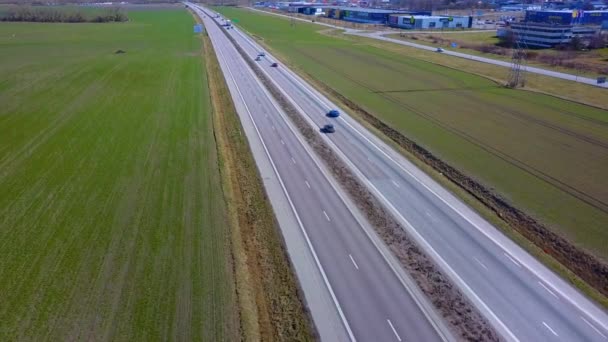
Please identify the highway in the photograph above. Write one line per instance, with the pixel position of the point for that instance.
(523, 299)
(381, 35)
(368, 295)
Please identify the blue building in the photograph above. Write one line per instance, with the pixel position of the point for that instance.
(567, 17)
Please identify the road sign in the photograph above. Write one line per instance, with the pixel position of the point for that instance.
(198, 28)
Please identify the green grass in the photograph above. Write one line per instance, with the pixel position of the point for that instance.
(548, 156)
(112, 220)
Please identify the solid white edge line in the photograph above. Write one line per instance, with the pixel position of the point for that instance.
(394, 331)
(311, 91)
(551, 330)
(312, 250)
(353, 260)
(511, 259)
(593, 327)
(423, 308)
(295, 78)
(547, 289)
(486, 234)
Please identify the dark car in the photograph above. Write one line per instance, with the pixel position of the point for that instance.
(261, 54)
(329, 128)
(334, 113)
(258, 58)
(274, 65)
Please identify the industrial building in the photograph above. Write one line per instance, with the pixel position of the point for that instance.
(422, 22)
(362, 15)
(542, 35)
(567, 17)
(347, 13)
(545, 29)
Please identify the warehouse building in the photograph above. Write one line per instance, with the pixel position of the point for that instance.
(364, 15)
(423, 22)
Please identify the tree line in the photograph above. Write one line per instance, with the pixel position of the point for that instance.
(62, 15)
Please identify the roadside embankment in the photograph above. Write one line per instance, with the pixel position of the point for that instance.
(271, 306)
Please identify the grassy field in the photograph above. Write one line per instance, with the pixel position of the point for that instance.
(546, 155)
(112, 218)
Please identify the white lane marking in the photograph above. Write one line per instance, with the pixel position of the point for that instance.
(551, 330)
(327, 217)
(481, 263)
(512, 260)
(483, 231)
(396, 184)
(353, 260)
(307, 184)
(397, 213)
(293, 160)
(293, 208)
(593, 327)
(282, 142)
(394, 331)
(547, 289)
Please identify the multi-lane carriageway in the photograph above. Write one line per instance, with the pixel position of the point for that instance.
(521, 298)
(353, 268)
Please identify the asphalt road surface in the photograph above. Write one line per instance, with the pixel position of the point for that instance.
(522, 298)
(380, 35)
(371, 299)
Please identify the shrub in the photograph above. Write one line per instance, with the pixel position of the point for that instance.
(53, 15)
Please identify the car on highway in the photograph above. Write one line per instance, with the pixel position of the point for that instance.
(334, 113)
(439, 49)
(274, 65)
(329, 128)
(262, 54)
(258, 58)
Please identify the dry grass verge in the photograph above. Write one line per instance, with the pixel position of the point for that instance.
(271, 306)
(460, 314)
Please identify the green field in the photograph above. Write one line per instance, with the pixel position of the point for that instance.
(112, 219)
(546, 155)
